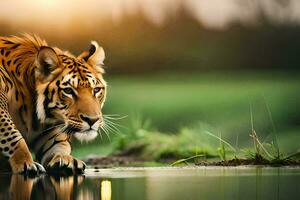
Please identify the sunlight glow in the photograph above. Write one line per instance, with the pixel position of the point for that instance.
(212, 13)
(49, 3)
(105, 190)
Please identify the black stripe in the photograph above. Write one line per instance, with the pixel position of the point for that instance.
(46, 102)
(16, 60)
(7, 42)
(18, 69)
(8, 80)
(17, 95)
(7, 53)
(40, 153)
(15, 46)
(42, 134)
(3, 63)
(21, 116)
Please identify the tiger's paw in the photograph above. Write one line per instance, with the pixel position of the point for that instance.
(21, 161)
(27, 168)
(65, 165)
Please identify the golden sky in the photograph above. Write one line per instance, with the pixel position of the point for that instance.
(210, 13)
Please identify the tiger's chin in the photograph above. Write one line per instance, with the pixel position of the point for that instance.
(86, 135)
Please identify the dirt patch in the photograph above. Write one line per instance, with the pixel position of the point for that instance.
(113, 161)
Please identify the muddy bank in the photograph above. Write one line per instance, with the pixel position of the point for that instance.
(125, 161)
(113, 161)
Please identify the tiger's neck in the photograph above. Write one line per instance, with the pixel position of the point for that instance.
(17, 56)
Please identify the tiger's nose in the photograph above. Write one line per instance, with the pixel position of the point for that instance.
(90, 120)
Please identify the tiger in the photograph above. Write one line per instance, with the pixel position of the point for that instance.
(47, 97)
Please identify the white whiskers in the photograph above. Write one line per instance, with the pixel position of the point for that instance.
(61, 125)
(110, 125)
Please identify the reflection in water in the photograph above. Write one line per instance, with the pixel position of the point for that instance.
(84, 194)
(167, 184)
(105, 190)
(19, 187)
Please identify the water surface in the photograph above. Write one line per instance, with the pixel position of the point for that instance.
(215, 183)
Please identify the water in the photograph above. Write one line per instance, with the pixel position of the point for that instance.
(215, 183)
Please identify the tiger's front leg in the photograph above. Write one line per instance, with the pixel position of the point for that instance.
(55, 155)
(12, 143)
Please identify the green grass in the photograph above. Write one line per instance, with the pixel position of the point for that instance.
(177, 109)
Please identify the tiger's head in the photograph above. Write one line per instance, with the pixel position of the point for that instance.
(71, 90)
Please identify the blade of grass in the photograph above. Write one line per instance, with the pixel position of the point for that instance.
(220, 139)
(253, 132)
(297, 153)
(221, 149)
(184, 160)
(258, 143)
(236, 145)
(274, 135)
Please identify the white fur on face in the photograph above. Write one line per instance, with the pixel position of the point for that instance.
(86, 135)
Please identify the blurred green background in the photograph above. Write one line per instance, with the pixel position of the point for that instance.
(179, 69)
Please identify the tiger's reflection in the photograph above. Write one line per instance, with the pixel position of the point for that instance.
(18, 187)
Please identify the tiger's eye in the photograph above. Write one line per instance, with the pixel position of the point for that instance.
(68, 90)
(97, 89)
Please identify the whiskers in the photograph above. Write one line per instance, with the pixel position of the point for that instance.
(46, 132)
(60, 126)
(111, 125)
(71, 128)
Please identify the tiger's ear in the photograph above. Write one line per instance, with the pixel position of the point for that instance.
(47, 61)
(95, 56)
